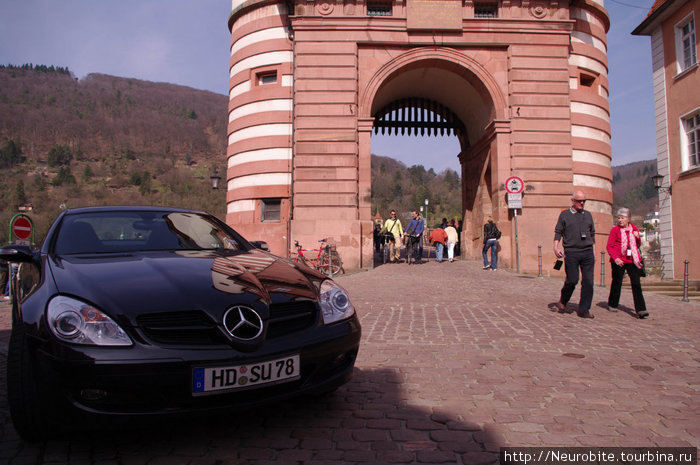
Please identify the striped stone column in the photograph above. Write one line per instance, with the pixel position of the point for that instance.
(260, 118)
(590, 110)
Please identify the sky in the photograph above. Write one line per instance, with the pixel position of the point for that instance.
(186, 42)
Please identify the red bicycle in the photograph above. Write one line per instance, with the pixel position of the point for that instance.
(326, 258)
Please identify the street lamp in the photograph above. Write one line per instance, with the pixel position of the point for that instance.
(658, 181)
(215, 178)
(426, 213)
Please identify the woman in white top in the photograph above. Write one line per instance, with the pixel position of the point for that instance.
(452, 239)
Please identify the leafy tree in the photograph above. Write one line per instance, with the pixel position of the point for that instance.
(145, 187)
(10, 154)
(135, 179)
(417, 173)
(20, 196)
(39, 182)
(396, 189)
(648, 189)
(59, 155)
(87, 173)
(64, 176)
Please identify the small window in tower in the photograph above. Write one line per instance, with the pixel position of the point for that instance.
(486, 10)
(587, 80)
(379, 7)
(271, 210)
(267, 78)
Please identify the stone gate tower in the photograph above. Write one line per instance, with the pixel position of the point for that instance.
(523, 84)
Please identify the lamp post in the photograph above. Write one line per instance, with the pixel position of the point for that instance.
(426, 213)
(658, 181)
(215, 178)
(425, 230)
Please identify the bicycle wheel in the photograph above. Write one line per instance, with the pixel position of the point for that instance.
(409, 250)
(335, 264)
(385, 253)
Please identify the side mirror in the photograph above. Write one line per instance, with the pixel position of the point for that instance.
(262, 245)
(17, 253)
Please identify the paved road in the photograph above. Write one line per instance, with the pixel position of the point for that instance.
(455, 363)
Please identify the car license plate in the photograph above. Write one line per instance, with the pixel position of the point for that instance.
(237, 377)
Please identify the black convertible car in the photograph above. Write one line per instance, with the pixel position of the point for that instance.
(147, 310)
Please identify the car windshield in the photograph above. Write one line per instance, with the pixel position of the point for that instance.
(129, 231)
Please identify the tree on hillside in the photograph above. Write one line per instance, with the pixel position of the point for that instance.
(64, 176)
(59, 155)
(20, 196)
(10, 155)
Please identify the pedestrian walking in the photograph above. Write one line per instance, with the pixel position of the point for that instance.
(574, 241)
(393, 227)
(414, 235)
(438, 237)
(452, 239)
(491, 236)
(623, 248)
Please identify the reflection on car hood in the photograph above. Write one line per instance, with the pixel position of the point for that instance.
(147, 282)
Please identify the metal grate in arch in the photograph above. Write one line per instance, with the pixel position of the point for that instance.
(415, 117)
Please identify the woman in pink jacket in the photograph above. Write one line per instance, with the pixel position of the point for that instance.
(623, 249)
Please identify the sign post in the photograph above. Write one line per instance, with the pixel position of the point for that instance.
(515, 187)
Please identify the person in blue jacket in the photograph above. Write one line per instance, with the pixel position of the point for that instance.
(414, 231)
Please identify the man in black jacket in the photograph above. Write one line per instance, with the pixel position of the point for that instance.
(574, 241)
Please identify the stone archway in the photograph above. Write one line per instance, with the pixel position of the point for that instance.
(456, 80)
(306, 78)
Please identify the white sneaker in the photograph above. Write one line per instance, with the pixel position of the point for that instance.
(487, 267)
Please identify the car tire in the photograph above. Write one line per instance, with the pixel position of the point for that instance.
(23, 393)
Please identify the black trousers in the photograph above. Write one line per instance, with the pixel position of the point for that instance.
(618, 272)
(573, 260)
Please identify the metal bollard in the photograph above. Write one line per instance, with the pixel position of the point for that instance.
(685, 282)
(602, 268)
(539, 261)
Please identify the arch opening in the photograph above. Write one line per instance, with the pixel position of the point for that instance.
(434, 97)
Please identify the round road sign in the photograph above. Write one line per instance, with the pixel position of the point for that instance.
(514, 185)
(22, 227)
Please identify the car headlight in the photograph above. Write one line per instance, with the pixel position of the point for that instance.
(77, 322)
(335, 302)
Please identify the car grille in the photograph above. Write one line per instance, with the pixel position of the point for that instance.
(181, 328)
(197, 328)
(290, 317)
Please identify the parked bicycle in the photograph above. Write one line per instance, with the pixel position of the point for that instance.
(325, 259)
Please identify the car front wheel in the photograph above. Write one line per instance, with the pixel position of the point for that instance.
(23, 392)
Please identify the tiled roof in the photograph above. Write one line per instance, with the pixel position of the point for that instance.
(657, 4)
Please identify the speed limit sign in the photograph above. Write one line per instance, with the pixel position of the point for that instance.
(514, 185)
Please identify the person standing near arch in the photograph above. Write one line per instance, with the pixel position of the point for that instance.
(393, 226)
(574, 241)
(452, 239)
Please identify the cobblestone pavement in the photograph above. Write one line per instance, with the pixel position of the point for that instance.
(455, 363)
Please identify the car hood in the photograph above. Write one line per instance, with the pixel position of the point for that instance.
(131, 284)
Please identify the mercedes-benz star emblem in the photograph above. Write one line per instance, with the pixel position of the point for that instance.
(243, 323)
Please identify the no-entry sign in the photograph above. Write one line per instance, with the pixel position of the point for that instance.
(22, 227)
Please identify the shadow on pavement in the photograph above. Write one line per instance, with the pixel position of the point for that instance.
(365, 421)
